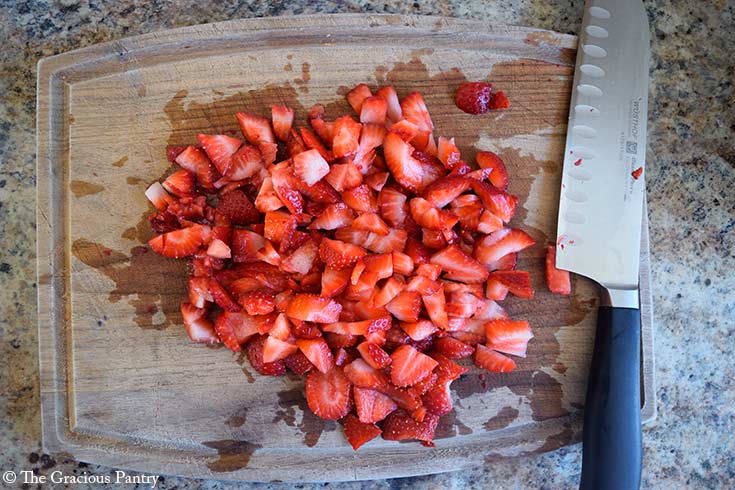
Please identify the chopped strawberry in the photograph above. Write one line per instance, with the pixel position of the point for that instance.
(498, 202)
(409, 366)
(418, 252)
(357, 96)
(238, 208)
(495, 362)
(372, 406)
(419, 330)
(323, 129)
(402, 263)
(294, 143)
(399, 426)
(313, 308)
(222, 297)
(373, 110)
(405, 306)
(310, 167)
(257, 302)
(254, 350)
(348, 328)
(358, 433)
(474, 97)
(180, 183)
(499, 174)
(517, 282)
(199, 328)
(311, 141)
(267, 199)
(158, 196)
(377, 181)
(374, 355)
(393, 105)
(499, 101)
(500, 243)
(409, 172)
(445, 191)
(173, 151)
(393, 206)
(361, 374)
(346, 137)
(505, 263)
(180, 243)
(279, 226)
(199, 292)
(414, 109)
(489, 222)
(302, 259)
(343, 176)
(298, 363)
(282, 118)
(342, 357)
(196, 161)
(382, 244)
(370, 222)
(435, 304)
(245, 245)
(448, 152)
(558, 280)
(328, 393)
(339, 255)
(334, 281)
(256, 129)
(286, 185)
(361, 199)
(429, 217)
(453, 348)
(406, 130)
(495, 289)
(219, 148)
(218, 249)
(275, 349)
(508, 336)
(459, 266)
(268, 254)
(163, 222)
(636, 174)
(320, 193)
(318, 353)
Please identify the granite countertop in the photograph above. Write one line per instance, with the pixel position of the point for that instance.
(691, 182)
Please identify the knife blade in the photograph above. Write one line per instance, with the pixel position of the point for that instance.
(599, 226)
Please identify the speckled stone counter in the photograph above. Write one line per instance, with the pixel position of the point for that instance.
(691, 184)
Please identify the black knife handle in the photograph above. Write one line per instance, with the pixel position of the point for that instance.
(611, 452)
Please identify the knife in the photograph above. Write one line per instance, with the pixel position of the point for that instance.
(599, 227)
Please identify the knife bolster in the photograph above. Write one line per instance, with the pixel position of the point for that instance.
(620, 298)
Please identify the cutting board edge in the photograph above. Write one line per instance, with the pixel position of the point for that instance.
(52, 260)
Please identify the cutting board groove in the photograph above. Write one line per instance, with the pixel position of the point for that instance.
(121, 384)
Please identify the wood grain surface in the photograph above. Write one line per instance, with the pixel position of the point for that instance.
(122, 385)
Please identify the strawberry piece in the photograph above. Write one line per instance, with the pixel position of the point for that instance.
(337, 254)
(361, 374)
(196, 161)
(445, 191)
(343, 176)
(342, 357)
(282, 118)
(275, 349)
(489, 222)
(374, 355)
(636, 174)
(429, 217)
(419, 330)
(163, 222)
(436, 308)
(410, 366)
(256, 129)
(438, 400)
(281, 328)
(218, 249)
(498, 202)
(334, 281)
(279, 226)
(318, 353)
(414, 109)
(448, 152)
(517, 282)
(199, 328)
(173, 151)
(499, 101)
(323, 129)
(474, 97)
(346, 137)
(257, 302)
(390, 290)
(500, 243)
(234, 329)
(180, 243)
(180, 183)
(459, 266)
(254, 349)
(505, 263)
(381, 265)
(294, 143)
(393, 104)
(286, 185)
(371, 405)
(402, 263)
(199, 295)
(409, 172)
(377, 180)
(405, 306)
(320, 193)
(499, 174)
(508, 336)
(558, 280)
(328, 394)
(370, 222)
(245, 245)
(238, 208)
(399, 426)
(418, 252)
(333, 217)
(373, 110)
(383, 244)
(298, 363)
(430, 271)
(267, 199)
(446, 369)
(372, 136)
(245, 163)
(361, 199)
(302, 259)
(357, 96)
(359, 433)
(219, 148)
(406, 130)
(310, 167)
(222, 297)
(422, 285)
(495, 362)
(337, 340)
(453, 348)
(312, 142)
(158, 196)
(313, 308)
(304, 330)
(348, 328)
(268, 254)
(393, 206)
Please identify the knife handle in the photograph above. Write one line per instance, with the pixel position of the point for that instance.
(611, 451)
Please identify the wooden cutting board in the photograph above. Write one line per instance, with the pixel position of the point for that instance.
(122, 385)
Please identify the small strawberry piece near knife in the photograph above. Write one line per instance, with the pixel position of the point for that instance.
(558, 281)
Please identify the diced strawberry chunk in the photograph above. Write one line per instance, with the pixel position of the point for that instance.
(256, 129)
(508, 336)
(474, 97)
(339, 255)
(302, 259)
(500, 243)
(346, 137)
(373, 110)
(180, 243)
(374, 355)
(459, 266)
(275, 349)
(310, 167)
(499, 174)
(517, 282)
(372, 406)
(180, 183)
(311, 141)
(498, 202)
(254, 350)
(279, 226)
(238, 208)
(158, 196)
(453, 348)
(406, 306)
(313, 308)
(448, 152)
(361, 374)
(199, 328)
(358, 433)
(196, 161)
(399, 426)
(493, 361)
(218, 249)
(318, 353)
(402, 263)
(370, 222)
(436, 308)
(219, 148)
(393, 206)
(419, 330)
(558, 280)
(499, 101)
(361, 199)
(282, 118)
(245, 245)
(328, 393)
(357, 96)
(343, 176)
(445, 191)
(410, 366)
(393, 104)
(414, 109)
(267, 199)
(298, 363)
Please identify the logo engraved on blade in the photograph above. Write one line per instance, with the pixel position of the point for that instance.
(631, 147)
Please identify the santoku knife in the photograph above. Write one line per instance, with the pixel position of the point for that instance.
(599, 227)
